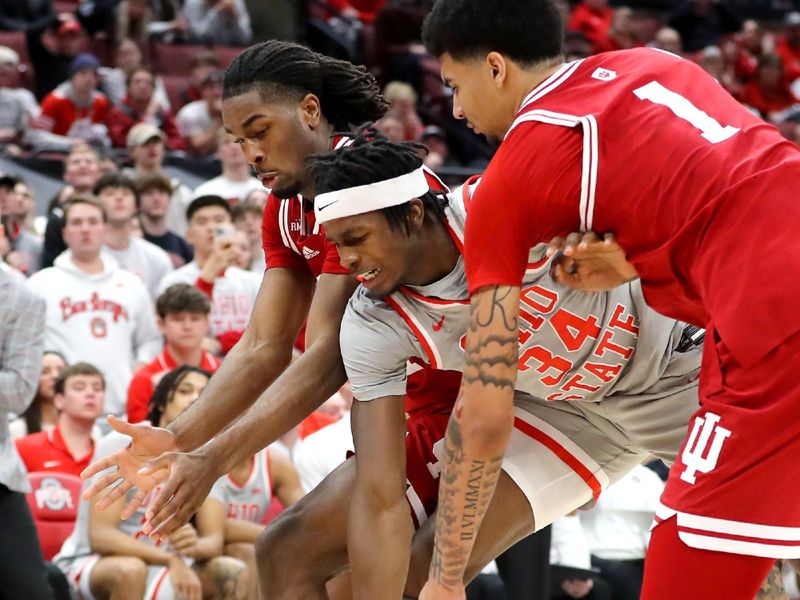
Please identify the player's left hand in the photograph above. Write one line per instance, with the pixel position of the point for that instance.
(436, 591)
(585, 262)
(187, 479)
(184, 541)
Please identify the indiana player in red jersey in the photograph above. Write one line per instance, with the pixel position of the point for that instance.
(283, 103)
(698, 192)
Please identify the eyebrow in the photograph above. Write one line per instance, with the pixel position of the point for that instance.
(252, 119)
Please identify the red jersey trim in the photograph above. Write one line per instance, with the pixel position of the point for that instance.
(427, 343)
(267, 467)
(250, 477)
(548, 85)
(430, 300)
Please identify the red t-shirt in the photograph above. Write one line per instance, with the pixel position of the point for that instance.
(592, 23)
(46, 451)
(648, 146)
(59, 113)
(145, 380)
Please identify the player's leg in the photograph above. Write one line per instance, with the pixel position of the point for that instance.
(674, 570)
(314, 528)
(114, 578)
(247, 554)
(223, 578)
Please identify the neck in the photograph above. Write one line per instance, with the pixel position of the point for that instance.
(522, 81)
(200, 258)
(440, 255)
(236, 171)
(322, 145)
(153, 225)
(143, 169)
(138, 105)
(88, 264)
(77, 435)
(48, 412)
(185, 356)
(241, 471)
(117, 236)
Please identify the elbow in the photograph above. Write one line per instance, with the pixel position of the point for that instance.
(491, 432)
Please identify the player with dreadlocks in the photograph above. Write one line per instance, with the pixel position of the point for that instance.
(283, 103)
(585, 404)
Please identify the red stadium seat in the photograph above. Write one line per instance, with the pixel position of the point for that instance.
(174, 59)
(226, 54)
(174, 86)
(54, 506)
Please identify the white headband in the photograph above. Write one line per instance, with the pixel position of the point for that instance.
(373, 196)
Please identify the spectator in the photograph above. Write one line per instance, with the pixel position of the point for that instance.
(81, 172)
(788, 46)
(166, 22)
(75, 108)
(258, 197)
(403, 105)
(199, 121)
(576, 46)
(244, 254)
(751, 45)
(155, 195)
(146, 144)
(702, 23)
(237, 178)
(621, 34)
(95, 310)
(41, 415)
(183, 321)
(52, 51)
(68, 448)
(113, 81)
(768, 93)
(713, 62)
(111, 556)
(391, 127)
(202, 64)
(438, 154)
(668, 39)
(223, 22)
(18, 107)
(570, 563)
(592, 18)
(147, 261)
(617, 530)
(247, 218)
(26, 246)
(232, 290)
(141, 105)
(22, 319)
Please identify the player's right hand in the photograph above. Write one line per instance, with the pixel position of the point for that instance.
(585, 262)
(184, 580)
(147, 443)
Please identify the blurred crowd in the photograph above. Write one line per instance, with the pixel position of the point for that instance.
(110, 90)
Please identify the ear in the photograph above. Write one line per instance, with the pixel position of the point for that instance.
(58, 402)
(160, 323)
(416, 214)
(310, 111)
(498, 68)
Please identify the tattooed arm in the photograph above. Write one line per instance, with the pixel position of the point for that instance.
(772, 588)
(477, 436)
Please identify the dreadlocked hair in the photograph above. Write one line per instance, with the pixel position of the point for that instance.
(165, 391)
(372, 158)
(348, 94)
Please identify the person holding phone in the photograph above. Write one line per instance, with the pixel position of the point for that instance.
(232, 290)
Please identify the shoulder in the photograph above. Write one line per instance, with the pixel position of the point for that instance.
(31, 441)
(370, 322)
(153, 251)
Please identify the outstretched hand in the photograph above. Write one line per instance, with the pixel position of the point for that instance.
(147, 443)
(187, 479)
(585, 262)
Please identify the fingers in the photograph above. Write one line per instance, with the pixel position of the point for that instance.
(177, 512)
(96, 467)
(121, 426)
(114, 495)
(556, 244)
(101, 483)
(573, 239)
(154, 515)
(133, 504)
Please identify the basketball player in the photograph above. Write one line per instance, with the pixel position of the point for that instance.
(283, 103)
(698, 192)
(246, 493)
(576, 350)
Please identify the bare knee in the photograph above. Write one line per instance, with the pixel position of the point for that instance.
(119, 576)
(225, 577)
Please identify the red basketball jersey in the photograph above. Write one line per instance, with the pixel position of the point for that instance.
(648, 146)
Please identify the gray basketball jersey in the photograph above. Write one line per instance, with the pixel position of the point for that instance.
(573, 346)
(250, 501)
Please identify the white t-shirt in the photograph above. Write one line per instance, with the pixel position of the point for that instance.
(321, 452)
(194, 118)
(232, 300)
(145, 260)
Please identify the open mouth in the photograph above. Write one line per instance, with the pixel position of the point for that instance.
(368, 276)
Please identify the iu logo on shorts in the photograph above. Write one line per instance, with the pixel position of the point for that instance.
(702, 450)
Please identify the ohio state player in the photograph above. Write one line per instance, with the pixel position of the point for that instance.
(697, 191)
(283, 103)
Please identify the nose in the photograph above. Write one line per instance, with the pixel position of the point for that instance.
(457, 112)
(253, 153)
(348, 258)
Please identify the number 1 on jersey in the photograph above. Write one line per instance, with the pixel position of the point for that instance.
(684, 109)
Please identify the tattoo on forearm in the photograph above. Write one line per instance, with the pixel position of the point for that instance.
(489, 357)
(496, 309)
(772, 588)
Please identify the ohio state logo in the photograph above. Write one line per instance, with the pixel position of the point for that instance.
(52, 495)
(98, 327)
(94, 304)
